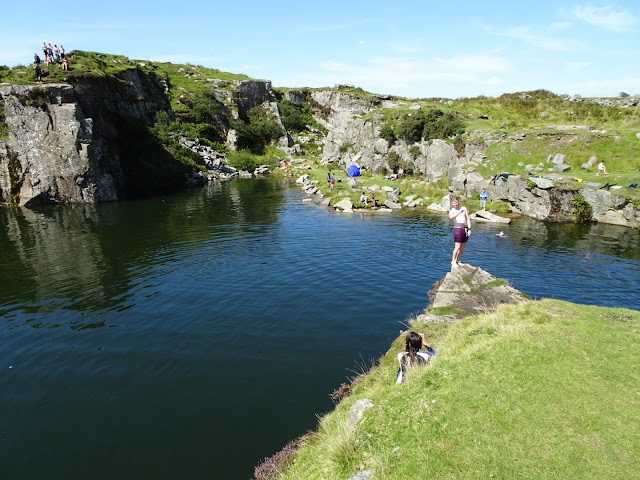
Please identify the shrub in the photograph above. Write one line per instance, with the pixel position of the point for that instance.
(258, 131)
(209, 114)
(393, 160)
(344, 148)
(386, 132)
(429, 124)
(411, 126)
(296, 117)
(442, 125)
(4, 128)
(584, 212)
(243, 160)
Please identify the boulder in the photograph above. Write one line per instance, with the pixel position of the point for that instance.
(589, 163)
(543, 183)
(561, 168)
(484, 216)
(262, 170)
(345, 205)
(436, 207)
(356, 412)
(472, 291)
(474, 177)
(392, 205)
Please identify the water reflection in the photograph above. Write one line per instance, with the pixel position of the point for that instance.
(96, 258)
(51, 253)
(593, 237)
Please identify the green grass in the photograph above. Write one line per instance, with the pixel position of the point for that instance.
(450, 310)
(537, 390)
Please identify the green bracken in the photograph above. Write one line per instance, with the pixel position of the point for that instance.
(584, 212)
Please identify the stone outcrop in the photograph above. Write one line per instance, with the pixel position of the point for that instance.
(468, 290)
(52, 154)
(484, 216)
(67, 141)
(539, 198)
(87, 141)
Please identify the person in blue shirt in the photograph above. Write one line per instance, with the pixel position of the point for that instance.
(483, 199)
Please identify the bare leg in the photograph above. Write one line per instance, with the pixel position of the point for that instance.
(460, 252)
(455, 255)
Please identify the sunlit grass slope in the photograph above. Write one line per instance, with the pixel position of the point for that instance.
(539, 390)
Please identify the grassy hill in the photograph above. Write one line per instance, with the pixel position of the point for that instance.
(543, 389)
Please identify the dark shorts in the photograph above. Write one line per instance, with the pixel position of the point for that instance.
(460, 235)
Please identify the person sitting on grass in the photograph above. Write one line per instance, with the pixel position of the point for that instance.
(363, 199)
(412, 355)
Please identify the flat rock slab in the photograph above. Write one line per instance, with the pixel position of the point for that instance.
(471, 290)
(484, 216)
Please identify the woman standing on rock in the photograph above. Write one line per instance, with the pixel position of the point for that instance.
(461, 230)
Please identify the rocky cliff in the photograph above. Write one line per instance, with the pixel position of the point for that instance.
(541, 198)
(71, 143)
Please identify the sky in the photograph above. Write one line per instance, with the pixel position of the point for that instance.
(415, 49)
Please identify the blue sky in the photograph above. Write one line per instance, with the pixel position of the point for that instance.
(409, 48)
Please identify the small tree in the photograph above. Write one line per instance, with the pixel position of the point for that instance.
(296, 117)
(388, 134)
(394, 161)
(258, 132)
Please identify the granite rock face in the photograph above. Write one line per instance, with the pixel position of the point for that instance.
(540, 198)
(66, 140)
(47, 158)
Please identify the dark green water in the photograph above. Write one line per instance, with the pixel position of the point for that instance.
(190, 336)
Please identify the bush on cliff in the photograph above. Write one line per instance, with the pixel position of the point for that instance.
(428, 125)
(542, 389)
(257, 131)
(296, 117)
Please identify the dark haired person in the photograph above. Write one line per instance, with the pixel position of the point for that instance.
(412, 355)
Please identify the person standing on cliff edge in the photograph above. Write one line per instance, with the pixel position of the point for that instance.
(461, 230)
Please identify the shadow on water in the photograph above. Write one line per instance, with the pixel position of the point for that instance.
(89, 258)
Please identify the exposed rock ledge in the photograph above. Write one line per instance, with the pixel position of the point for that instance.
(468, 290)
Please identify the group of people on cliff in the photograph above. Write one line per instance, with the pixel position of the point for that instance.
(51, 54)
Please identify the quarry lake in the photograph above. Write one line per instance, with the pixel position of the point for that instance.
(192, 335)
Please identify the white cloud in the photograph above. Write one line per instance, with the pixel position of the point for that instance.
(453, 76)
(474, 62)
(540, 40)
(576, 66)
(613, 86)
(560, 25)
(494, 81)
(606, 17)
